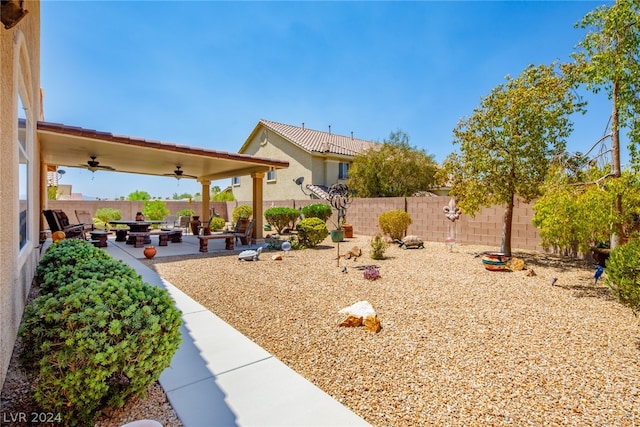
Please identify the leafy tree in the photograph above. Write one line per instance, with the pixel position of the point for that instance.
(155, 209)
(52, 192)
(139, 195)
(177, 196)
(395, 169)
(607, 58)
(221, 196)
(506, 145)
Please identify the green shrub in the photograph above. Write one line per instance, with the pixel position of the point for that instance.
(93, 268)
(318, 210)
(312, 231)
(155, 209)
(69, 253)
(623, 274)
(97, 343)
(186, 212)
(281, 218)
(378, 246)
(241, 211)
(217, 223)
(104, 215)
(394, 223)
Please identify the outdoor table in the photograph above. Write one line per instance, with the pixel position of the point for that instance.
(100, 237)
(137, 227)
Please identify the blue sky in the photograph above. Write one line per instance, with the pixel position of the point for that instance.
(203, 73)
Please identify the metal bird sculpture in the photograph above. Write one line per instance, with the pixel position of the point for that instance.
(599, 271)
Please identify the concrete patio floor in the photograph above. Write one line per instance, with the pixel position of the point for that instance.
(219, 377)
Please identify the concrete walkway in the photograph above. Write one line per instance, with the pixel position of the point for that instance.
(219, 377)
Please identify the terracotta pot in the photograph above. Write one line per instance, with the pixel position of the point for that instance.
(348, 230)
(149, 251)
(195, 225)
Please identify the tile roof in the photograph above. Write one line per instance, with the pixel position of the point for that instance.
(319, 141)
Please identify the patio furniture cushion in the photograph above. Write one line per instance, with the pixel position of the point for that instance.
(59, 221)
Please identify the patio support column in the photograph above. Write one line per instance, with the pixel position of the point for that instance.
(258, 214)
(206, 199)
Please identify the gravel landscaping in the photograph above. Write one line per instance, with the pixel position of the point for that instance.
(459, 345)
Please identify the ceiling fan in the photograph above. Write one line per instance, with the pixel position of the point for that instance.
(179, 173)
(94, 165)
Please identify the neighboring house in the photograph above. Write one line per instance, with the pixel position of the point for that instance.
(321, 158)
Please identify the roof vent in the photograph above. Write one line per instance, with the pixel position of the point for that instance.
(302, 125)
(352, 135)
(329, 129)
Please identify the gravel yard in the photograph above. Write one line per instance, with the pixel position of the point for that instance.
(460, 345)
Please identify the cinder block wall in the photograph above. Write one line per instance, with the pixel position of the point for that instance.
(427, 214)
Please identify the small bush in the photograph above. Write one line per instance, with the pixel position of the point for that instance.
(317, 210)
(623, 274)
(104, 215)
(93, 268)
(217, 223)
(371, 272)
(97, 343)
(312, 231)
(281, 218)
(394, 223)
(241, 211)
(378, 246)
(186, 212)
(155, 209)
(67, 253)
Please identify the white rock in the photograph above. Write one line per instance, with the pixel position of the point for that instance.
(359, 309)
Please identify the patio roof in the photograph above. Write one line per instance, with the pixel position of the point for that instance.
(71, 146)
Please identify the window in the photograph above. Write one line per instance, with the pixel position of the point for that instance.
(271, 176)
(343, 170)
(23, 176)
(235, 181)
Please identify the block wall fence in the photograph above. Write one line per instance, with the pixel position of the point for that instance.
(429, 221)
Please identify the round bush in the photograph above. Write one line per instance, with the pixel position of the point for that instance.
(281, 218)
(317, 210)
(97, 343)
(312, 231)
(623, 274)
(394, 223)
(217, 223)
(68, 252)
(93, 268)
(241, 211)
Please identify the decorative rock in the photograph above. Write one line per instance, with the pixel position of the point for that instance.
(276, 257)
(531, 273)
(372, 323)
(352, 322)
(354, 253)
(515, 264)
(361, 313)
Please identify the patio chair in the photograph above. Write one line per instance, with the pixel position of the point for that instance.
(183, 222)
(244, 231)
(85, 218)
(59, 221)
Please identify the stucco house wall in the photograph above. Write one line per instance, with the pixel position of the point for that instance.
(19, 74)
(276, 147)
(316, 159)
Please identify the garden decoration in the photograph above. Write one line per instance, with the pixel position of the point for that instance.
(361, 313)
(286, 247)
(452, 213)
(411, 242)
(250, 254)
(495, 261)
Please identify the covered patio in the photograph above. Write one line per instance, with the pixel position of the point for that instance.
(71, 146)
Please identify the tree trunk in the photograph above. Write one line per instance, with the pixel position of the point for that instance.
(507, 223)
(616, 227)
